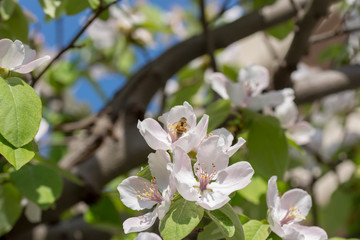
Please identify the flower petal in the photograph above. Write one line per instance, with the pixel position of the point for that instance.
(211, 156)
(184, 177)
(287, 113)
(128, 190)
(272, 195)
(218, 83)
(11, 53)
(154, 135)
(233, 149)
(31, 65)
(237, 94)
(301, 132)
(233, 178)
(225, 135)
(212, 200)
(296, 198)
(137, 224)
(254, 77)
(148, 236)
(158, 166)
(270, 99)
(307, 233)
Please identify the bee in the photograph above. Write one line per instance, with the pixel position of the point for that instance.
(181, 127)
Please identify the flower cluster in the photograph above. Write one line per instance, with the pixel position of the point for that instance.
(247, 93)
(208, 181)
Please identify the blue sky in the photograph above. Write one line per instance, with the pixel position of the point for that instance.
(83, 91)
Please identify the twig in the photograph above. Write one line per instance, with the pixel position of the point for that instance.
(222, 11)
(73, 126)
(208, 36)
(72, 42)
(330, 34)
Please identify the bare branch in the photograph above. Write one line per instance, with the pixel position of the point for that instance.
(71, 44)
(299, 45)
(331, 34)
(208, 37)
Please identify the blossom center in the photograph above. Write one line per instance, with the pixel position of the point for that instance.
(178, 128)
(204, 176)
(292, 215)
(150, 192)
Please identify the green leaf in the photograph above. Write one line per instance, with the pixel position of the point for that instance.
(180, 220)
(10, 206)
(38, 183)
(63, 172)
(282, 30)
(20, 111)
(273, 236)
(185, 93)
(17, 25)
(94, 4)
(337, 238)
(103, 214)
(6, 8)
(255, 230)
(76, 6)
(223, 222)
(63, 75)
(145, 173)
(211, 232)
(255, 190)
(18, 157)
(267, 144)
(332, 217)
(53, 8)
(218, 112)
(229, 212)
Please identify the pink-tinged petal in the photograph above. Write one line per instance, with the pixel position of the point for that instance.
(158, 166)
(301, 132)
(225, 135)
(287, 113)
(191, 140)
(254, 77)
(210, 155)
(233, 149)
(296, 198)
(154, 135)
(11, 53)
(307, 233)
(138, 224)
(147, 236)
(163, 208)
(128, 190)
(212, 200)
(269, 99)
(31, 65)
(272, 195)
(237, 94)
(233, 178)
(184, 177)
(30, 54)
(218, 83)
(274, 222)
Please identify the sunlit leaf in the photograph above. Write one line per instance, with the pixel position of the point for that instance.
(20, 111)
(38, 183)
(218, 112)
(180, 220)
(256, 230)
(18, 157)
(6, 8)
(10, 199)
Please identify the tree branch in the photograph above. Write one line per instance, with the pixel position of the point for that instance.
(71, 44)
(300, 43)
(331, 34)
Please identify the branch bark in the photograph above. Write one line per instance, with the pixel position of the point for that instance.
(316, 10)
